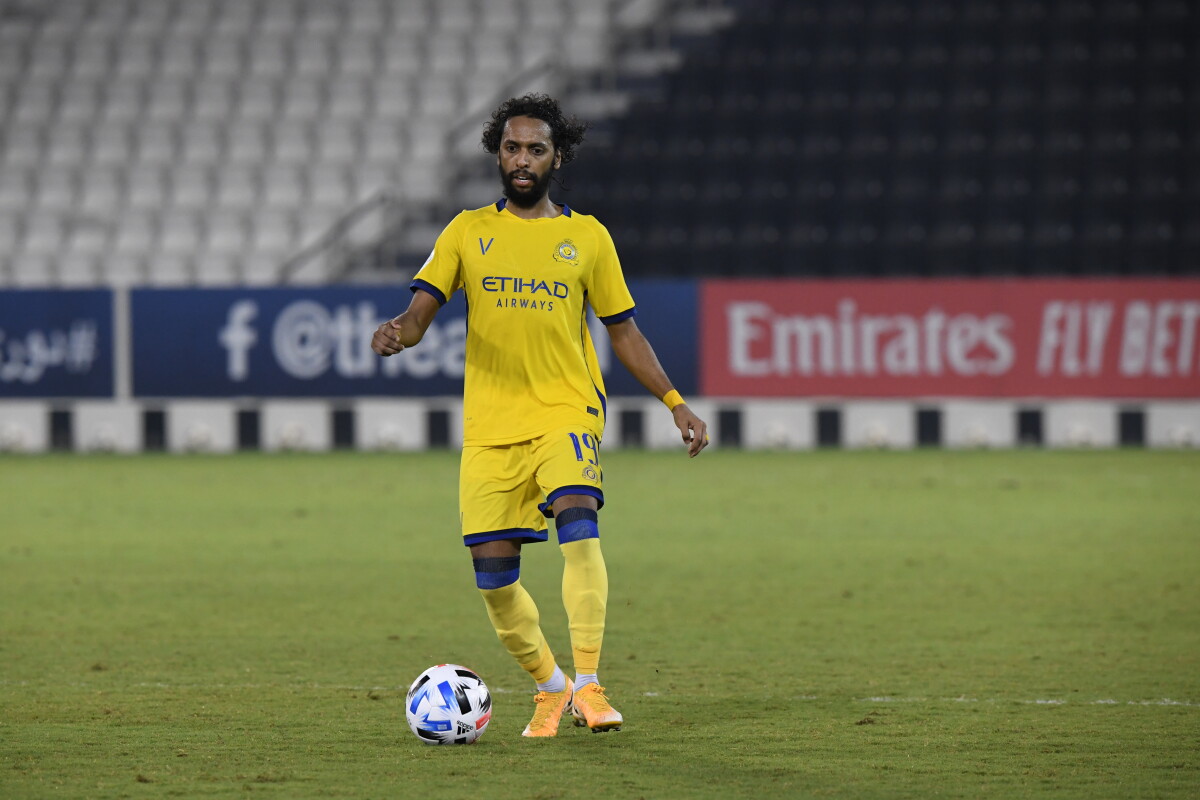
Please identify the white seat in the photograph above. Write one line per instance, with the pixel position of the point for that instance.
(383, 141)
(455, 15)
(135, 58)
(100, 191)
(22, 145)
(216, 269)
(201, 143)
(224, 55)
(323, 19)
(420, 182)
(10, 234)
(50, 60)
(348, 98)
(194, 17)
(44, 232)
(31, 269)
(110, 17)
(258, 99)
(233, 20)
(87, 239)
(133, 237)
(370, 178)
(315, 221)
(448, 53)
(145, 188)
(312, 57)
(77, 269)
(267, 56)
(147, 20)
(56, 189)
(180, 57)
(123, 99)
(499, 16)
(35, 102)
(412, 15)
(167, 100)
(245, 142)
(225, 232)
(170, 269)
(213, 99)
(393, 97)
(80, 101)
(191, 187)
(336, 141)
(439, 98)
(67, 146)
(261, 269)
(16, 189)
(156, 143)
(494, 55)
(282, 186)
(366, 17)
(179, 233)
(237, 187)
(401, 55)
(91, 58)
(123, 269)
(302, 100)
(292, 144)
(329, 186)
(112, 143)
(279, 17)
(273, 234)
(357, 53)
(13, 50)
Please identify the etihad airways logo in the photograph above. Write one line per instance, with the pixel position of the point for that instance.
(531, 289)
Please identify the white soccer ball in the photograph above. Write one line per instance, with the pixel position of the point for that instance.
(448, 704)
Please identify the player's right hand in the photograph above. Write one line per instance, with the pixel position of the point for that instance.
(386, 341)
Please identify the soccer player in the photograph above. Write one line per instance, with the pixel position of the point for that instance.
(534, 402)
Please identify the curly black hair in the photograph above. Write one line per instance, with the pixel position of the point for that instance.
(566, 133)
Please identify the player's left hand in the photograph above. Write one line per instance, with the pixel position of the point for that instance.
(694, 429)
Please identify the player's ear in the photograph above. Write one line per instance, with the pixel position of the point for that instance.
(557, 158)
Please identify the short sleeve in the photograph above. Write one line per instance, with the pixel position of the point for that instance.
(608, 293)
(441, 275)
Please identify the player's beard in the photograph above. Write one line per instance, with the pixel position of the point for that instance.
(530, 197)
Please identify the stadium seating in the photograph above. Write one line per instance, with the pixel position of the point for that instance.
(913, 137)
(208, 141)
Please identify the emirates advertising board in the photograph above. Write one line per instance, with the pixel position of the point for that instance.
(951, 338)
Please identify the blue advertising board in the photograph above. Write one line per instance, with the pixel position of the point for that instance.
(56, 343)
(316, 342)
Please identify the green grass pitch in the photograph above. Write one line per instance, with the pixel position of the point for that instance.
(819, 624)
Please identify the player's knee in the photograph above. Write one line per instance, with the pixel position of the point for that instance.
(496, 573)
(576, 524)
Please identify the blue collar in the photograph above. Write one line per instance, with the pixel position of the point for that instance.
(503, 201)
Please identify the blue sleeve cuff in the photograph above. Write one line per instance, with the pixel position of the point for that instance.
(426, 286)
(624, 315)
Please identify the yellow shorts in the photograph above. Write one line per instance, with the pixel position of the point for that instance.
(505, 491)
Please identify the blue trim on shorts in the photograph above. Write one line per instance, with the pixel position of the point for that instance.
(523, 535)
(562, 491)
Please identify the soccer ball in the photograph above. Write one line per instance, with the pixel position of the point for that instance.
(448, 704)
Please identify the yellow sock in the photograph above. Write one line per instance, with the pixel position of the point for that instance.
(585, 596)
(515, 617)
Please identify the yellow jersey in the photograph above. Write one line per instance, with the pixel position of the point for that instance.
(530, 363)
